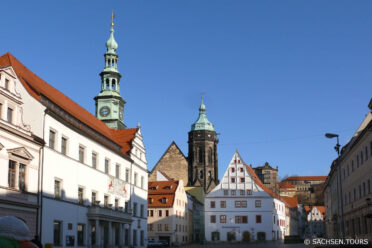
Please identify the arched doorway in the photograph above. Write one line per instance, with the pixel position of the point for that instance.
(246, 236)
(231, 236)
(215, 236)
(261, 236)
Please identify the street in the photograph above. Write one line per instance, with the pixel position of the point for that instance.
(259, 245)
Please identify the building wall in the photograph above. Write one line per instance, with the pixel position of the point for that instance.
(17, 144)
(173, 163)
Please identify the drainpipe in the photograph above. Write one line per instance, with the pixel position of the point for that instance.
(41, 171)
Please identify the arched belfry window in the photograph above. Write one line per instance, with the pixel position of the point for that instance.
(210, 156)
(113, 83)
(201, 174)
(107, 87)
(200, 155)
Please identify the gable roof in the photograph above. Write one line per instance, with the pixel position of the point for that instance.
(285, 185)
(290, 202)
(304, 178)
(321, 209)
(259, 183)
(163, 190)
(124, 137)
(166, 151)
(37, 88)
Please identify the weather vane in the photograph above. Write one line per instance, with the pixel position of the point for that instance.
(202, 95)
(112, 18)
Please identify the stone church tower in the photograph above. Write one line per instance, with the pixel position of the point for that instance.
(109, 103)
(202, 157)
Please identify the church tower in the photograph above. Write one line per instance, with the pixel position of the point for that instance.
(109, 103)
(202, 157)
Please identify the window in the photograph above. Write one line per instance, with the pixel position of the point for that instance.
(135, 237)
(249, 192)
(222, 218)
(159, 227)
(242, 179)
(142, 239)
(166, 227)
(242, 192)
(232, 169)
(167, 213)
(80, 234)
(135, 208)
(80, 195)
(142, 182)
(9, 115)
(366, 151)
(81, 153)
(52, 139)
(361, 157)
(57, 233)
(105, 201)
(213, 204)
(127, 175)
(6, 85)
(233, 192)
(244, 204)
(237, 204)
(257, 203)
(352, 165)
(94, 160)
(107, 164)
(117, 170)
(142, 210)
(200, 153)
(225, 192)
(64, 146)
(241, 169)
(258, 219)
(223, 204)
(160, 213)
(94, 198)
(201, 174)
(241, 219)
(150, 227)
(12, 174)
(232, 179)
(135, 179)
(213, 218)
(22, 177)
(116, 203)
(57, 189)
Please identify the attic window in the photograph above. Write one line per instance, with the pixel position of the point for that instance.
(150, 200)
(164, 200)
(153, 188)
(168, 187)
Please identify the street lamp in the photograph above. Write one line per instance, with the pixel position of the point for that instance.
(337, 148)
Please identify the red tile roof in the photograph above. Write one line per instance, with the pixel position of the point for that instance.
(158, 190)
(259, 183)
(285, 185)
(290, 202)
(37, 87)
(304, 178)
(320, 208)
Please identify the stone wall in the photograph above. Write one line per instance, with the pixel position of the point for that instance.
(173, 163)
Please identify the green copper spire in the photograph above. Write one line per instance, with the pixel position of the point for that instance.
(109, 103)
(202, 123)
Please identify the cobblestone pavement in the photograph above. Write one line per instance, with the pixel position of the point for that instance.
(258, 245)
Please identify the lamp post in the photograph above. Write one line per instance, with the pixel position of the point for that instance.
(337, 148)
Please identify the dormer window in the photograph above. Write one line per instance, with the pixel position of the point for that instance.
(164, 200)
(168, 187)
(153, 188)
(151, 200)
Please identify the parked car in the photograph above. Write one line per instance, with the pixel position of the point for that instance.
(164, 243)
(154, 243)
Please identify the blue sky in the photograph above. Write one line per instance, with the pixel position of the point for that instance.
(277, 74)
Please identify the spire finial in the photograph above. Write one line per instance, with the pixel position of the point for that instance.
(202, 97)
(112, 18)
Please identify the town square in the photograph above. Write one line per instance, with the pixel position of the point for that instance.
(192, 123)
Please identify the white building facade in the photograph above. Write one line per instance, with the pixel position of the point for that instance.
(20, 152)
(240, 208)
(90, 181)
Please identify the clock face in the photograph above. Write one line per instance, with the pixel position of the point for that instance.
(104, 111)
